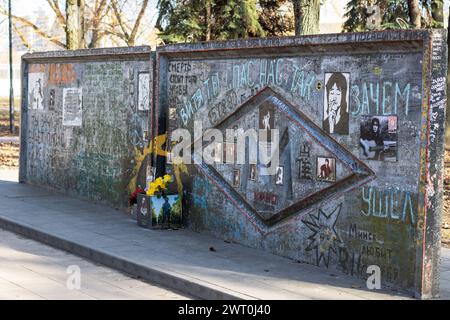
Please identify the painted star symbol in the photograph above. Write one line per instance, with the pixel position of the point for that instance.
(324, 238)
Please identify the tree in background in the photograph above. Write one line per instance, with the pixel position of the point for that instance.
(74, 27)
(395, 14)
(85, 23)
(203, 20)
(276, 17)
(437, 13)
(182, 21)
(307, 16)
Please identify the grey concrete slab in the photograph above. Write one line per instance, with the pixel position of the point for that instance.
(31, 270)
(177, 259)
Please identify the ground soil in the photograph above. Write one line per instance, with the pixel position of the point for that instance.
(9, 152)
(4, 123)
(9, 155)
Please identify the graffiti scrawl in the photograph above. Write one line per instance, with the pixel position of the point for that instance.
(324, 237)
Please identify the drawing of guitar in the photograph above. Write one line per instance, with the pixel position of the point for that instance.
(370, 147)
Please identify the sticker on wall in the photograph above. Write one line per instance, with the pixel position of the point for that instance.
(51, 99)
(252, 172)
(236, 178)
(143, 91)
(378, 138)
(335, 105)
(267, 119)
(326, 169)
(35, 91)
(72, 107)
(279, 176)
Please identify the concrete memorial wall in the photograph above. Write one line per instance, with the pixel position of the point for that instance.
(361, 122)
(85, 121)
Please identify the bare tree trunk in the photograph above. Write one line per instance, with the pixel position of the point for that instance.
(75, 24)
(208, 20)
(307, 16)
(414, 13)
(100, 10)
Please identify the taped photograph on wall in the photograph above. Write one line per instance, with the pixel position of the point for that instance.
(143, 91)
(326, 169)
(35, 91)
(378, 138)
(335, 105)
(166, 211)
(253, 169)
(279, 176)
(267, 119)
(236, 178)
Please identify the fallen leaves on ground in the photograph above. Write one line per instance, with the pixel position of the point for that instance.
(9, 155)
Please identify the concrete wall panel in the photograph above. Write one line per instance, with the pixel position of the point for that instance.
(381, 207)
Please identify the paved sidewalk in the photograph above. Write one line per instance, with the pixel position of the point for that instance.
(30, 270)
(180, 259)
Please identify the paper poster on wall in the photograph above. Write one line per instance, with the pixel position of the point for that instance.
(143, 91)
(336, 103)
(35, 91)
(72, 107)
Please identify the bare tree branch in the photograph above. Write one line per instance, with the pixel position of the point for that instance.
(99, 14)
(118, 15)
(21, 36)
(138, 21)
(35, 28)
(59, 16)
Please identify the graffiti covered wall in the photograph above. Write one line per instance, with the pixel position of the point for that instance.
(85, 121)
(360, 119)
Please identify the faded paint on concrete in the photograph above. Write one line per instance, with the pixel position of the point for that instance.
(85, 121)
(371, 212)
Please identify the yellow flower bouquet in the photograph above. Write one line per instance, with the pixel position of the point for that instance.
(159, 185)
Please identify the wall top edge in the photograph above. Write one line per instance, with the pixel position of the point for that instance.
(89, 53)
(311, 40)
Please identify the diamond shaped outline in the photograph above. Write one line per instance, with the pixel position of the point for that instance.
(360, 175)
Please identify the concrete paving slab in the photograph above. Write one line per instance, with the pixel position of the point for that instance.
(41, 273)
(176, 259)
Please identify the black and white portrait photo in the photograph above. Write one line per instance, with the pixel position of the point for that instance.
(267, 119)
(36, 91)
(236, 178)
(378, 138)
(326, 169)
(279, 177)
(253, 172)
(335, 105)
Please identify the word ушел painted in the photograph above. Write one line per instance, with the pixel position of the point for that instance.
(391, 203)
